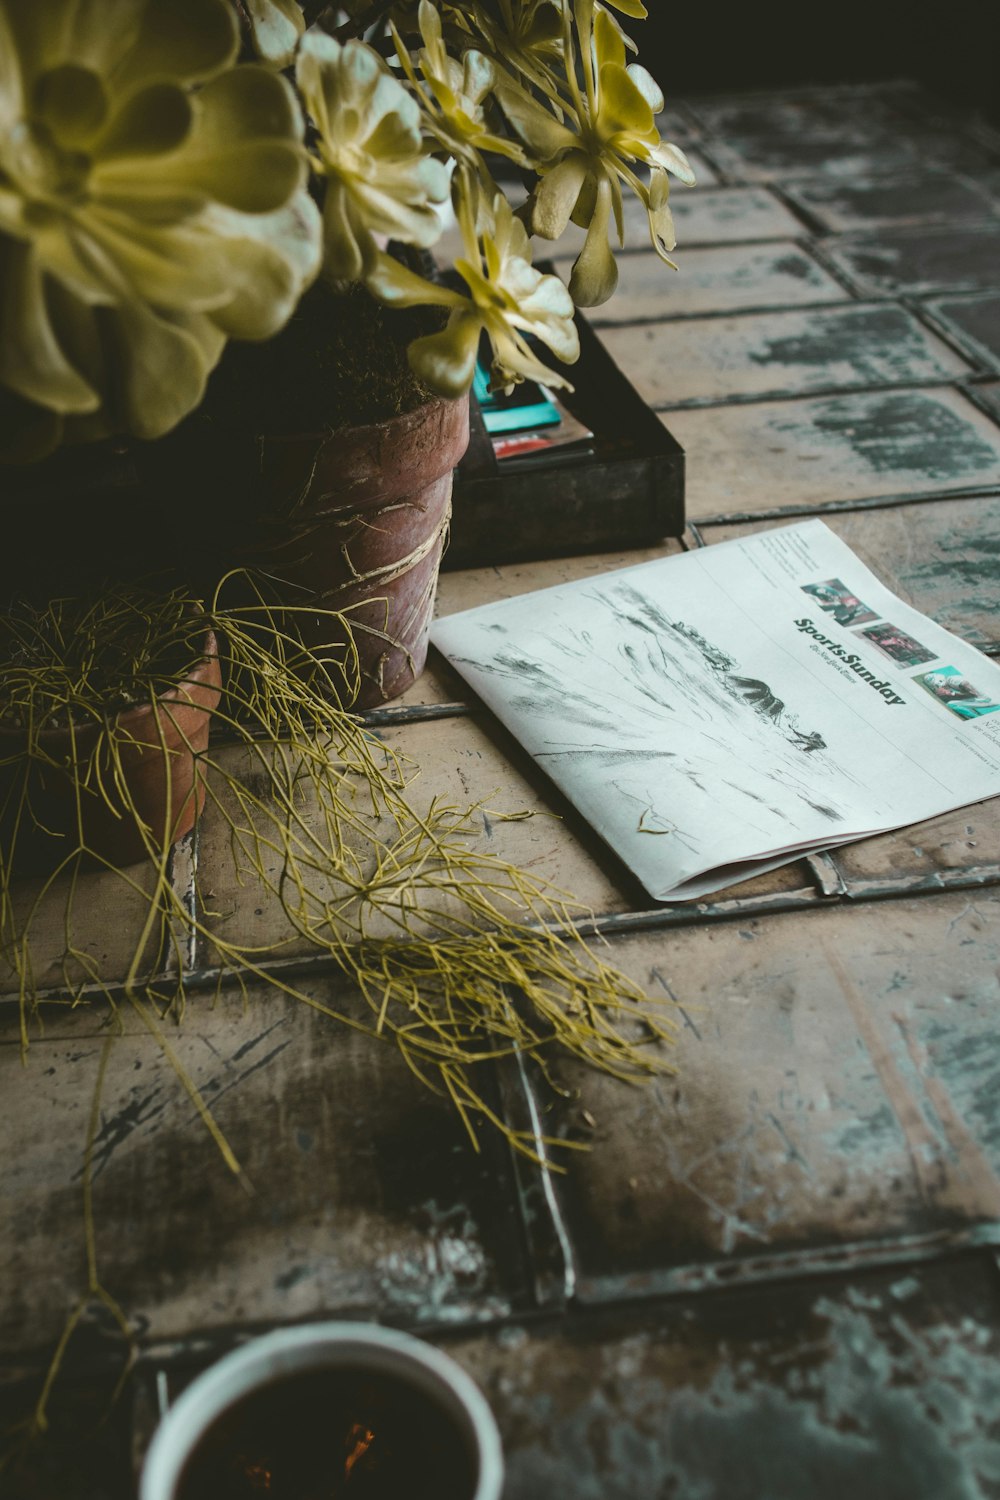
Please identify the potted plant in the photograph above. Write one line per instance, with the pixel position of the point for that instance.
(197, 172)
(211, 217)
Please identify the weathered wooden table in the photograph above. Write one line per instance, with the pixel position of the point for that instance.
(774, 1275)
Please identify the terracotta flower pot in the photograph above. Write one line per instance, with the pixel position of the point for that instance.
(360, 519)
(157, 743)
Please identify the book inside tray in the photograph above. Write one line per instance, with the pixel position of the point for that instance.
(625, 488)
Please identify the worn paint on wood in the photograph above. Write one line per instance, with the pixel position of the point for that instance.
(942, 557)
(368, 1197)
(917, 263)
(779, 353)
(723, 215)
(879, 1386)
(988, 394)
(824, 450)
(821, 1100)
(788, 159)
(928, 196)
(976, 322)
(719, 279)
(850, 117)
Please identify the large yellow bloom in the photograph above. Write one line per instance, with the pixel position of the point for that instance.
(152, 205)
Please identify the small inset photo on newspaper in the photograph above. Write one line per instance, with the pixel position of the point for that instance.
(897, 645)
(956, 692)
(836, 599)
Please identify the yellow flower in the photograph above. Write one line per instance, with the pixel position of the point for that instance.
(152, 205)
(379, 178)
(507, 299)
(453, 93)
(584, 157)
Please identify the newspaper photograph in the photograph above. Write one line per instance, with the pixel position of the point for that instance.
(717, 713)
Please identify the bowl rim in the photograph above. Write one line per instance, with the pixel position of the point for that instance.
(321, 1346)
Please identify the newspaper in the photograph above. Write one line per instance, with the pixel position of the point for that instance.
(717, 713)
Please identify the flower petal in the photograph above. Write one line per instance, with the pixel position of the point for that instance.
(32, 362)
(72, 103)
(557, 194)
(273, 258)
(184, 40)
(275, 26)
(163, 366)
(446, 361)
(665, 154)
(647, 86)
(398, 286)
(595, 274)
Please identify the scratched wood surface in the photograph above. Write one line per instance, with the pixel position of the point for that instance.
(697, 360)
(826, 1160)
(362, 1195)
(930, 195)
(820, 1388)
(825, 1096)
(919, 262)
(797, 455)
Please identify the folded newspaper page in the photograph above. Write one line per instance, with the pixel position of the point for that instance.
(718, 713)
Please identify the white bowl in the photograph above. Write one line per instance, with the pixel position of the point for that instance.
(327, 1347)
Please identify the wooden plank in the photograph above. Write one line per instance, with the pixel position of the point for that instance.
(824, 450)
(938, 556)
(875, 1385)
(838, 1085)
(976, 323)
(719, 279)
(471, 586)
(931, 195)
(369, 1199)
(966, 839)
(989, 395)
(780, 353)
(918, 263)
(789, 158)
(825, 115)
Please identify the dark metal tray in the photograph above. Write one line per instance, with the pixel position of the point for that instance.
(627, 491)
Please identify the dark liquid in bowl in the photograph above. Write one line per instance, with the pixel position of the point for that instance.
(332, 1436)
